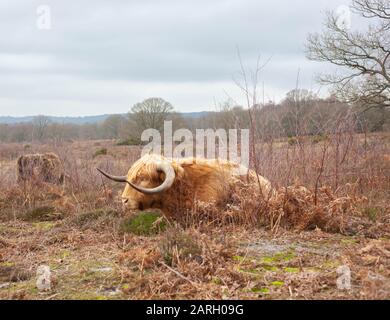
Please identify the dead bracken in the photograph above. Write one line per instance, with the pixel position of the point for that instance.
(289, 244)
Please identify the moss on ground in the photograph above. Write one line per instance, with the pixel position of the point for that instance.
(272, 263)
(291, 270)
(77, 279)
(271, 268)
(279, 257)
(143, 224)
(44, 225)
(260, 290)
(349, 241)
(239, 258)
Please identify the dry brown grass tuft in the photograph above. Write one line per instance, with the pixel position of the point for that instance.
(292, 208)
(297, 207)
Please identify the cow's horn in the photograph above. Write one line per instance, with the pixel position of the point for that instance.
(115, 178)
(165, 167)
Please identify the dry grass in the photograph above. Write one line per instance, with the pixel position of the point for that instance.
(287, 246)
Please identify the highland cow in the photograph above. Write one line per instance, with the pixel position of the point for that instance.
(45, 167)
(175, 185)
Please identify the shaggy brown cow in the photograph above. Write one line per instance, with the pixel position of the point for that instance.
(45, 167)
(171, 185)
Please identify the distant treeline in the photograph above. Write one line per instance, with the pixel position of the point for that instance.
(300, 113)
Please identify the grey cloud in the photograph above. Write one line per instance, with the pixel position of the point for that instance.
(168, 41)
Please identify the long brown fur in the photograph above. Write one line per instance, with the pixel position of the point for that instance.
(197, 180)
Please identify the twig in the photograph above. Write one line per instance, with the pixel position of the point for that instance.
(178, 273)
(52, 296)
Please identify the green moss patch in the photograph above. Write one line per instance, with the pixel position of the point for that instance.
(260, 290)
(143, 224)
(271, 268)
(291, 270)
(238, 258)
(252, 271)
(278, 257)
(349, 241)
(44, 225)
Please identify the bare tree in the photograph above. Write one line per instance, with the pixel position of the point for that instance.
(363, 55)
(114, 126)
(298, 103)
(40, 125)
(151, 113)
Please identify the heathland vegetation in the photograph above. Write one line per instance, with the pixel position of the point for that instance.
(322, 234)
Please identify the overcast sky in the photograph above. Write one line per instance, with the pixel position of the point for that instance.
(103, 56)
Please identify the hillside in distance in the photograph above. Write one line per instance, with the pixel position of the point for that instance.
(82, 119)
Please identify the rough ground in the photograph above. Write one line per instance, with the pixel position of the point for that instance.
(90, 258)
(81, 232)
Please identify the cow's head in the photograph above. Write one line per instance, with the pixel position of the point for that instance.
(146, 182)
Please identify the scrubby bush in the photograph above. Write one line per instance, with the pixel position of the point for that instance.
(129, 142)
(292, 141)
(100, 152)
(318, 138)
